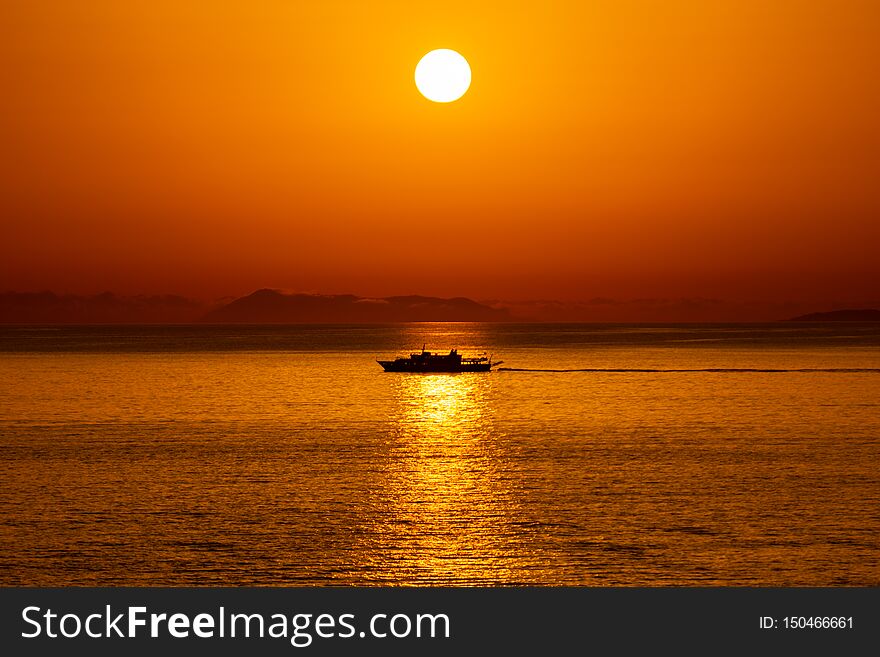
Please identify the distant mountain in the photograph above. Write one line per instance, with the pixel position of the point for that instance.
(107, 308)
(274, 307)
(864, 315)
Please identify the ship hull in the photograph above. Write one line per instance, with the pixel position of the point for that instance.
(432, 368)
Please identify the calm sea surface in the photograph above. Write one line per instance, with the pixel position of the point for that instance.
(284, 455)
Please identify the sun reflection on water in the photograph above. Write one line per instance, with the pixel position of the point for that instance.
(442, 407)
(451, 515)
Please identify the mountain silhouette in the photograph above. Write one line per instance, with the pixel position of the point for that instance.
(273, 306)
(850, 315)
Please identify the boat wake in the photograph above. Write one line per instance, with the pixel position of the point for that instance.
(722, 370)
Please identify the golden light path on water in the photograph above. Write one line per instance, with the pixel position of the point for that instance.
(450, 505)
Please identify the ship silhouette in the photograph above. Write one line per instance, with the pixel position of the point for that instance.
(426, 361)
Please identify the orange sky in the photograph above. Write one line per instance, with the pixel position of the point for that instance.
(626, 148)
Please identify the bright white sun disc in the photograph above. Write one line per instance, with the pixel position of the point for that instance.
(443, 75)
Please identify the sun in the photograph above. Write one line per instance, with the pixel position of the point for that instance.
(443, 75)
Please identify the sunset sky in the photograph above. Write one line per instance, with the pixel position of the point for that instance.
(625, 148)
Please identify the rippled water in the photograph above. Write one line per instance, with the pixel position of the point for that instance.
(284, 456)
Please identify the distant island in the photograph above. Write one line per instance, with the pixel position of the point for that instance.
(272, 306)
(850, 315)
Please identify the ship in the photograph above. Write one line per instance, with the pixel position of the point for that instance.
(426, 361)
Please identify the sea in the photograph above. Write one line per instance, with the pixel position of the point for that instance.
(596, 455)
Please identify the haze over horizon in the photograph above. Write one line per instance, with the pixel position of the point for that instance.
(276, 306)
(628, 150)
